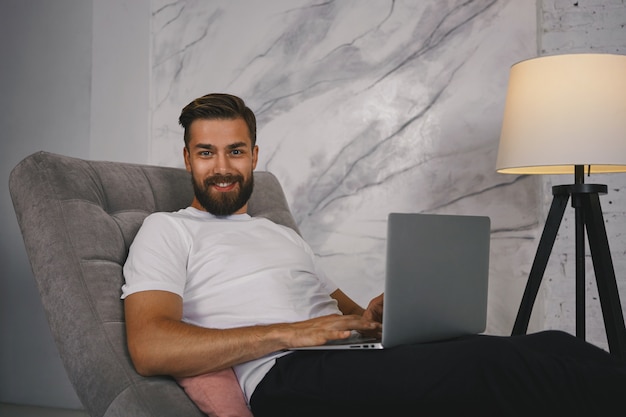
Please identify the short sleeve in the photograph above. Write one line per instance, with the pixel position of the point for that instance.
(157, 259)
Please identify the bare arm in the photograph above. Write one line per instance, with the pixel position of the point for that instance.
(374, 310)
(161, 344)
(346, 304)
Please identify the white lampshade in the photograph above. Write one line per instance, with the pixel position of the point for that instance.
(562, 111)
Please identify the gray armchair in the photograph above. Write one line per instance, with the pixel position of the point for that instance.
(78, 219)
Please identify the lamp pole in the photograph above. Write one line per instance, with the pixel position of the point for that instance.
(579, 232)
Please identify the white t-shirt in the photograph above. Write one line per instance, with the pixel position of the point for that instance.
(230, 271)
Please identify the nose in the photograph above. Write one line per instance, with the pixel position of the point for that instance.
(222, 164)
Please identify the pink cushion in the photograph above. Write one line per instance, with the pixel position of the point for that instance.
(217, 394)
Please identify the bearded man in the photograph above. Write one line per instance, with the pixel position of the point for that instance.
(209, 287)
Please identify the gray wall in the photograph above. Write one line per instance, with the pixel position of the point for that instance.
(46, 76)
(74, 78)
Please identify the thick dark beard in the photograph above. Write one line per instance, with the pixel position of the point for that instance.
(226, 203)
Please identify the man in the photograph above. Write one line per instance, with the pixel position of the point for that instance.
(209, 287)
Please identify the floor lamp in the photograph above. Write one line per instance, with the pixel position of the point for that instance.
(566, 114)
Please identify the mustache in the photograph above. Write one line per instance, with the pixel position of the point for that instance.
(219, 178)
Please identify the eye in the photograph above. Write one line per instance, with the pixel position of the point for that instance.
(205, 153)
(237, 152)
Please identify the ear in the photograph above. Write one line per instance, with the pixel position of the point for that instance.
(186, 158)
(255, 156)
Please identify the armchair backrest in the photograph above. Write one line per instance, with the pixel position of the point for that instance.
(78, 218)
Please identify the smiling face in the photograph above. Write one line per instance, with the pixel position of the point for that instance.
(221, 159)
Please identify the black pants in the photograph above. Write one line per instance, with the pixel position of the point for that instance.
(548, 373)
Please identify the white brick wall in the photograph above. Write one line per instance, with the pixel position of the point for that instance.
(583, 26)
(568, 26)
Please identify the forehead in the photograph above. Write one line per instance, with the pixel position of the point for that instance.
(218, 132)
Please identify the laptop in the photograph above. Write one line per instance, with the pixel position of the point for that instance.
(436, 282)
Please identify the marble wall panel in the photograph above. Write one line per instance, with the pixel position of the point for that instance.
(364, 108)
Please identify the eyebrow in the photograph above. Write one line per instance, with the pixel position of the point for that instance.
(228, 147)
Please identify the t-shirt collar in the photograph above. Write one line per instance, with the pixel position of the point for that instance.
(205, 214)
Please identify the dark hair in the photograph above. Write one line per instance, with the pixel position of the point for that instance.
(217, 106)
